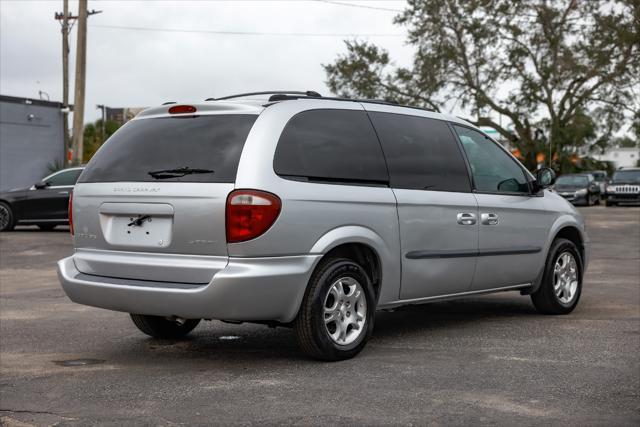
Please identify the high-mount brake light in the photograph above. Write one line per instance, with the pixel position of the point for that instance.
(182, 109)
(250, 213)
(71, 213)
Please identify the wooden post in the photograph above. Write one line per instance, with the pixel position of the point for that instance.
(65, 78)
(81, 68)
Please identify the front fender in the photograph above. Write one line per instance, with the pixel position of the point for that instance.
(562, 221)
(576, 221)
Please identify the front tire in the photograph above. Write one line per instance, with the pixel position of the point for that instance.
(561, 285)
(337, 313)
(162, 327)
(7, 219)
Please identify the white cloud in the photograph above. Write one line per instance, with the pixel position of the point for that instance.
(129, 68)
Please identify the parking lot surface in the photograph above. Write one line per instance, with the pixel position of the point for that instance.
(481, 360)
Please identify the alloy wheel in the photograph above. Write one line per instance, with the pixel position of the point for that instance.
(565, 277)
(345, 311)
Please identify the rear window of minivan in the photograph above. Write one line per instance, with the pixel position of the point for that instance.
(203, 148)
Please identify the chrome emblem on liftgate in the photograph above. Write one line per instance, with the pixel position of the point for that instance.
(202, 242)
(86, 236)
(136, 189)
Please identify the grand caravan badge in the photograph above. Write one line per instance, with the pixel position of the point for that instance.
(136, 189)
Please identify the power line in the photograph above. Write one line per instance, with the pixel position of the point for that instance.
(362, 6)
(246, 33)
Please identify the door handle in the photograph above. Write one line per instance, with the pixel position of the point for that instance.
(489, 219)
(465, 218)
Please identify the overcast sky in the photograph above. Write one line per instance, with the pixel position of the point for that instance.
(131, 68)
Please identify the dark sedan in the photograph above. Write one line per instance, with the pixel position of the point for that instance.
(579, 189)
(43, 204)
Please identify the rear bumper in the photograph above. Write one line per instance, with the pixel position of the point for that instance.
(247, 289)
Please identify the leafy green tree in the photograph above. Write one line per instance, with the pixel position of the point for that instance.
(553, 69)
(92, 139)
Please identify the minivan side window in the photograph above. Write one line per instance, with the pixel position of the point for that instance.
(492, 169)
(66, 178)
(331, 146)
(421, 153)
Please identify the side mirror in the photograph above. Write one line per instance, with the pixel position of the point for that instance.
(545, 177)
(40, 185)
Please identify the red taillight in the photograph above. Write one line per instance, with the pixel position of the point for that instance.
(182, 109)
(71, 212)
(250, 213)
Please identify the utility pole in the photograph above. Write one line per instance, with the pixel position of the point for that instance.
(66, 18)
(81, 69)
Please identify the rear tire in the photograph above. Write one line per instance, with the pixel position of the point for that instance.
(7, 219)
(161, 327)
(337, 313)
(46, 227)
(561, 285)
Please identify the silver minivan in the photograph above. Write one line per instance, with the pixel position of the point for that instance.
(292, 209)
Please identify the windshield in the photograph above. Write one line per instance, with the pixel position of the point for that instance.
(183, 149)
(574, 181)
(632, 176)
(599, 176)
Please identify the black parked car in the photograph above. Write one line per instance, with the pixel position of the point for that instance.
(579, 189)
(43, 204)
(624, 187)
(601, 179)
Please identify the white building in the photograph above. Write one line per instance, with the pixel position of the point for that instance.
(621, 157)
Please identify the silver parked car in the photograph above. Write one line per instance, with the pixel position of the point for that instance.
(311, 212)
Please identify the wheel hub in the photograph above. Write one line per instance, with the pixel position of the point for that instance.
(565, 277)
(345, 311)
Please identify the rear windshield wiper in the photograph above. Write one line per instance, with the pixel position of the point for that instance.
(177, 173)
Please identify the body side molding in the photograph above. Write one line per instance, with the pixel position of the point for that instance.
(520, 250)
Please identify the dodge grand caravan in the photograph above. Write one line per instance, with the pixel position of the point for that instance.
(311, 212)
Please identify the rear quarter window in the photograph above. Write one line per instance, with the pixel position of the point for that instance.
(205, 143)
(331, 146)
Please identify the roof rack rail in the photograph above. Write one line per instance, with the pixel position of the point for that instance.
(284, 97)
(308, 93)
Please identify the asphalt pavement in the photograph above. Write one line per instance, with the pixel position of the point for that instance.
(481, 360)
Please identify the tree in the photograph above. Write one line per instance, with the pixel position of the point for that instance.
(543, 65)
(92, 139)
